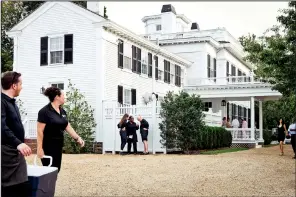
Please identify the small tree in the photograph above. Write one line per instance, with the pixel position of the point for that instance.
(81, 117)
(182, 121)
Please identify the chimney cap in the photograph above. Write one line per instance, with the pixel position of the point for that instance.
(168, 8)
(194, 26)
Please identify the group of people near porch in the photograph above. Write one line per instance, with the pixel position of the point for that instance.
(128, 133)
(236, 123)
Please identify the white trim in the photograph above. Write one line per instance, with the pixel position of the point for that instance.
(46, 6)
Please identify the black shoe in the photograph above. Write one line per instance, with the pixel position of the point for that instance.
(135, 153)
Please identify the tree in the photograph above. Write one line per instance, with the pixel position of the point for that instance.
(105, 13)
(12, 12)
(81, 117)
(274, 54)
(182, 121)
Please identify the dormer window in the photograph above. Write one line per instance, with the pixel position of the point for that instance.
(158, 27)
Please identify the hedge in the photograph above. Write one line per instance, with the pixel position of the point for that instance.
(215, 137)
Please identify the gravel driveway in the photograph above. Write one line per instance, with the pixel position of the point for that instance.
(256, 172)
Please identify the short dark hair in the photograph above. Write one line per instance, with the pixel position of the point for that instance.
(9, 78)
(52, 92)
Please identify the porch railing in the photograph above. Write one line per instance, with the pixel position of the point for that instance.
(232, 80)
(240, 134)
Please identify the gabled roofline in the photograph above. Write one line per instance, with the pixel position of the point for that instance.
(45, 7)
(184, 18)
(110, 25)
(158, 16)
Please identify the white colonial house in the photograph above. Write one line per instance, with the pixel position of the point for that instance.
(112, 65)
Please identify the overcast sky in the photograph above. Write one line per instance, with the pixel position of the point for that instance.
(239, 18)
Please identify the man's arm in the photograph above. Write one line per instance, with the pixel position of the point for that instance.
(6, 133)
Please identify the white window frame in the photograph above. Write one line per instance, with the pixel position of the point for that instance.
(158, 27)
(57, 83)
(49, 48)
(124, 100)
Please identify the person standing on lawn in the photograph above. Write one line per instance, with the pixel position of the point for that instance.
(51, 124)
(144, 127)
(122, 125)
(132, 137)
(292, 130)
(14, 177)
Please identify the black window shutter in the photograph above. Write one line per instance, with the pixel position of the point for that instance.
(68, 46)
(169, 71)
(134, 96)
(209, 66)
(44, 51)
(120, 94)
(139, 58)
(156, 67)
(134, 59)
(120, 54)
(149, 65)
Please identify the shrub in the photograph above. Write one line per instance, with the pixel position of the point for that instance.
(267, 136)
(215, 137)
(182, 121)
(81, 118)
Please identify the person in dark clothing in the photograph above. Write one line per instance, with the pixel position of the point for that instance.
(52, 122)
(14, 177)
(292, 130)
(122, 126)
(282, 133)
(132, 137)
(144, 127)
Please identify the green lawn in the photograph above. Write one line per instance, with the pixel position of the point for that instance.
(228, 150)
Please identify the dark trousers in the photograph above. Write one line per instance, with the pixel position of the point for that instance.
(54, 150)
(123, 139)
(293, 142)
(129, 145)
(19, 190)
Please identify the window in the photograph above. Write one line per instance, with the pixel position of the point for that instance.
(215, 69)
(144, 68)
(126, 96)
(233, 73)
(158, 27)
(136, 62)
(177, 75)
(167, 71)
(244, 77)
(209, 66)
(59, 49)
(56, 50)
(227, 70)
(149, 65)
(239, 73)
(207, 106)
(156, 67)
(120, 54)
(58, 85)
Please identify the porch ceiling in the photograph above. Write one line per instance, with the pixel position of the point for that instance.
(241, 92)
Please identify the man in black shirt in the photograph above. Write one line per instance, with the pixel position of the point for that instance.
(14, 178)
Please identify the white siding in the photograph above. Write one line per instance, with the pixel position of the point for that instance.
(57, 20)
(150, 26)
(126, 78)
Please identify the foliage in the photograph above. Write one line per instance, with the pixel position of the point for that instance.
(274, 54)
(12, 12)
(81, 117)
(22, 110)
(267, 136)
(215, 137)
(182, 121)
(274, 110)
(227, 150)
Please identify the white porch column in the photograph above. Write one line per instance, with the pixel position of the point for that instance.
(260, 122)
(252, 118)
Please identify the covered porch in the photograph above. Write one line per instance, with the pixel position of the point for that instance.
(238, 102)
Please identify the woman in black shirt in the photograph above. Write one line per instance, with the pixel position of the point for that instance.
(122, 126)
(52, 122)
(144, 127)
(132, 137)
